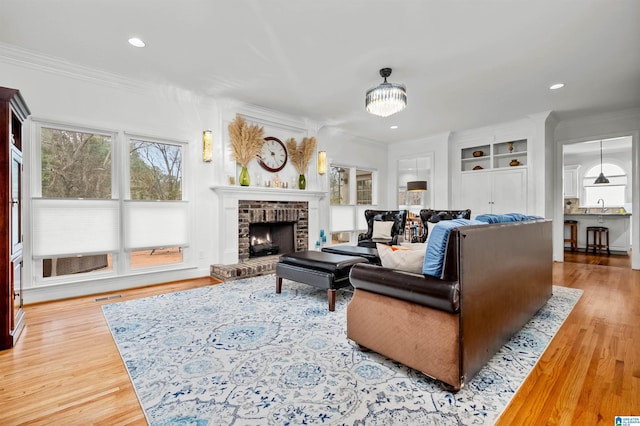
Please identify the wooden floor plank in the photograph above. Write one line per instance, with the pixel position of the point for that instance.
(66, 368)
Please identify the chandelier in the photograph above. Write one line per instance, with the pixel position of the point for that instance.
(386, 98)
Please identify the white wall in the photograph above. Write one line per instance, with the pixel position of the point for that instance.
(56, 91)
(88, 100)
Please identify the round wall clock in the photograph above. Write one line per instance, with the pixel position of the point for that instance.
(273, 156)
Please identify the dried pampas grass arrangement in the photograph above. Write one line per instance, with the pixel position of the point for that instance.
(300, 154)
(246, 140)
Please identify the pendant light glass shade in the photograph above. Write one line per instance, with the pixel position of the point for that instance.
(417, 186)
(601, 178)
(387, 98)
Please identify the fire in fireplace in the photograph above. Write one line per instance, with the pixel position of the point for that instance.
(271, 238)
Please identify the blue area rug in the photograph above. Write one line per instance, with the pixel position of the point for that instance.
(238, 353)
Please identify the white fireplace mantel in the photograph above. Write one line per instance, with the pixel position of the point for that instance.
(227, 224)
(272, 194)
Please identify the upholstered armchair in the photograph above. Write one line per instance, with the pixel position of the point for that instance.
(430, 217)
(383, 226)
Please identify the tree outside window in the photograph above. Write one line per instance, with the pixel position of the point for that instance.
(156, 171)
(75, 164)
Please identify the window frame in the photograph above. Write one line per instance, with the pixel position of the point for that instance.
(120, 192)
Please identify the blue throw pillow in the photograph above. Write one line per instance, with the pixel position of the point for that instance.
(507, 217)
(434, 256)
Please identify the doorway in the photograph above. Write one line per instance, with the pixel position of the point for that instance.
(598, 192)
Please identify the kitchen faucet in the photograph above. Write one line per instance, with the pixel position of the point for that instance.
(598, 202)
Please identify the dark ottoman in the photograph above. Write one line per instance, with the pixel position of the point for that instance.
(322, 270)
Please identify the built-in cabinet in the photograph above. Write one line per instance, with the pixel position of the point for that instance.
(570, 181)
(493, 178)
(13, 112)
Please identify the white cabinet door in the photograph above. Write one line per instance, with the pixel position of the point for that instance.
(497, 192)
(510, 191)
(570, 183)
(475, 193)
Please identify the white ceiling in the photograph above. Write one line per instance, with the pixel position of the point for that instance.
(465, 63)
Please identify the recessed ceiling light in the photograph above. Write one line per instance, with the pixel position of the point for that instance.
(556, 86)
(393, 127)
(135, 41)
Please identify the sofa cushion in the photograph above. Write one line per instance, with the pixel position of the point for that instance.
(382, 230)
(437, 245)
(401, 258)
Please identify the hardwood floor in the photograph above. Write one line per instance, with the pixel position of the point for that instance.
(66, 369)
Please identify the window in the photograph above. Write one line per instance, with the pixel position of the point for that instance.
(612, 193)
(87, 219)
(347, 213)
(339, 185)
(75, 223)
(364, 183)
(155, 174)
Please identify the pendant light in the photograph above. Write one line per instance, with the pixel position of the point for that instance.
(602, 178)
(417, 185)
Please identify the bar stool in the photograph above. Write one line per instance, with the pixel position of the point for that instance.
(573, 233)
(597, 232)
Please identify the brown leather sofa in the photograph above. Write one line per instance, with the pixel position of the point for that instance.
(495, 277)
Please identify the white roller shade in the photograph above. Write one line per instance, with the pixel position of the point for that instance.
(342, 218)
(72, 227)
(152, 224)
(362, 221)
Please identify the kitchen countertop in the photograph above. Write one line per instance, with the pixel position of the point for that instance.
(600, 214)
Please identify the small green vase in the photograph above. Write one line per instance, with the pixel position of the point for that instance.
(302, 182)
(244, 177)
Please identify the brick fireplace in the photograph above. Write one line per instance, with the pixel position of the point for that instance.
(239, 207)
(254, 212)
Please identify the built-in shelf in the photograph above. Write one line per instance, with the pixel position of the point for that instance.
(499, 155)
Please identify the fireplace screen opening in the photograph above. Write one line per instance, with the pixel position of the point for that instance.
(271, 238)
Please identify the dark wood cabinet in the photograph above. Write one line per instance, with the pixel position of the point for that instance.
(13, 112)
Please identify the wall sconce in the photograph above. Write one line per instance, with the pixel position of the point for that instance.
(207, 146)
(322, 162)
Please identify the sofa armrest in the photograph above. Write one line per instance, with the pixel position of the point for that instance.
(421, 289)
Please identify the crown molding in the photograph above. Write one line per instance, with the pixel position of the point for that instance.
(44, 63)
